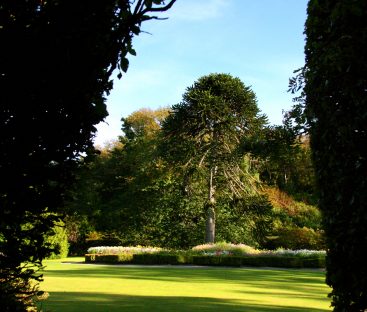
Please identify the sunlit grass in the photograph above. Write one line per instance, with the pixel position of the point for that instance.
(84, 287)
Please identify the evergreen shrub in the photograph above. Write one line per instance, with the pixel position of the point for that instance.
(336, 111)
(58, 242)
(100, 258)
(157, 259)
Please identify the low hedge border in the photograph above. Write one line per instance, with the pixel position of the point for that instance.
(120, 258)
(234, 261)
(262, 261)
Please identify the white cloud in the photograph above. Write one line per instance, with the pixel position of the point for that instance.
(198, 10)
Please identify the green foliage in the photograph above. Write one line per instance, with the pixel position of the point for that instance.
(100, 258)
(17, 293)
(246, 220)
(299, 214)
(296, 225)
(297, 238)
(202, 136)
(284, 160)
(139, 257)
(258, 261)
(77, 227)
(129, 194)
(295, 119)
(163, 258)
(261, 261)
(132, 195)
(143, 123)
(216, 110)
(336, 111)
(58, 242)
(290, 211)
(221, 254)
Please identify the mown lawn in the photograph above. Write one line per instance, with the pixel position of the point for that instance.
(87, 287)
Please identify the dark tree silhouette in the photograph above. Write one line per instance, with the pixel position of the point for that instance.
(56, 61)
(336, 111)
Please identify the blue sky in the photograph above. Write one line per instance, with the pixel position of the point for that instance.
(261, 42)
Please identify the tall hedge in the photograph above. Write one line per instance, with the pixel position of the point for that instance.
(336, 109)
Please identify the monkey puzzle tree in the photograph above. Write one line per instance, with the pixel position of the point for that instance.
(56, 60)
(203, 133)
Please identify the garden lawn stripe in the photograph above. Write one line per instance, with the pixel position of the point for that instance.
(81, 287)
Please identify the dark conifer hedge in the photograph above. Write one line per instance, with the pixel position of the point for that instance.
(336, 109)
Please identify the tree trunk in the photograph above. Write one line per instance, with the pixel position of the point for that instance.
(210, 210)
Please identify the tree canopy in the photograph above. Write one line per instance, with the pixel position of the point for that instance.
(204, 131)
(131, 195)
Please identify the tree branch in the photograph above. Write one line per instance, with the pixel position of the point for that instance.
(139, 7)
(159, 9)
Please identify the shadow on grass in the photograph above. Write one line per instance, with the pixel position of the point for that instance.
(193, 274)
(291, 280)
(97, 302)
(243, 286)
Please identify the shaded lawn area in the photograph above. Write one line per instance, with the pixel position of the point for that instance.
(89, 287)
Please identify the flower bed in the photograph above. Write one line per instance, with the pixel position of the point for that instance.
(222, 254)
(115, 250)
(225, 249)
